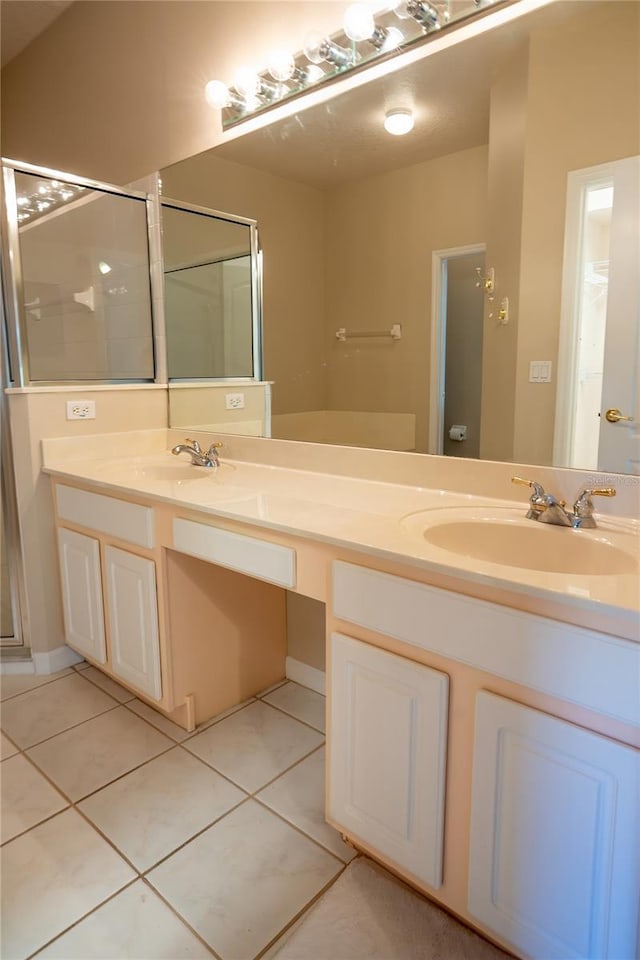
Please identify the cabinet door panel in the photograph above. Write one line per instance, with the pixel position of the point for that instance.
(387, 748)
(82, 594)
(555, 835)
(133, 620)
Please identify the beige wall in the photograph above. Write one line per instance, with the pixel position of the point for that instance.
(35, 416)
(583, 109)
(113, 90)
(380, 234)
(507, 128)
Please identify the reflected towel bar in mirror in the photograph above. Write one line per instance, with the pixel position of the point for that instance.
(395, 333)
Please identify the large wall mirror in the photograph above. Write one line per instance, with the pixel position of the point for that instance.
(381, 325)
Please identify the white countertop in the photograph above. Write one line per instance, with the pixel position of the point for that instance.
(362, 515)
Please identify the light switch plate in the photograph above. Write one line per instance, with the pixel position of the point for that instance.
(540, 371)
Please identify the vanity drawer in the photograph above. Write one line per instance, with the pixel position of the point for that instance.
(556, 658)
(257, 558)
(118, 518)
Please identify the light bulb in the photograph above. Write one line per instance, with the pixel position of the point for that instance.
(313, 45)
(281, 65)
(217, 94)
(66, 194)
(104, 268)
(393, 38)
(22, 201)
(398, 122)
(319, 49)
(358, 22)
(247, 82)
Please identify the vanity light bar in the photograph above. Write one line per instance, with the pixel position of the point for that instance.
(364, 38)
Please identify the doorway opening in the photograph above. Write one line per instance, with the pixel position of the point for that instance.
(457, 316)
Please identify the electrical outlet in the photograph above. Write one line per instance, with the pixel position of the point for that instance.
(81, 409)
(234, 401)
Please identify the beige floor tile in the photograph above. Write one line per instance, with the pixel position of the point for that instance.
(298, 796)
(156, 808)
(243, 879)
(301, 703)
(222, 716)
(370, 915)
(158, 720)
(134, 925)
(53, 875)
(107, 684)
(52, 708)
(7, 749)
(88, 757)
(12, 684)
(27, 798)
(254, 745)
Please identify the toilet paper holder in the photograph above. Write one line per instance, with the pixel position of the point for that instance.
(457, 431)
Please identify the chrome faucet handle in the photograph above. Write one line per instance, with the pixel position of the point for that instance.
(583, 507)
(537, 488)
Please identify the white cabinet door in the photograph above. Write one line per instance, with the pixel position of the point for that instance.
(387, 751)
(555, 835)
(133, 620)
(82, 594)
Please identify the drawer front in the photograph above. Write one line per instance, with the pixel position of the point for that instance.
(590, 669)
(257, 558)
(127, 521)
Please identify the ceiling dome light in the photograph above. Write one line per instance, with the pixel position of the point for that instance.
(398, 122)
(104, 267)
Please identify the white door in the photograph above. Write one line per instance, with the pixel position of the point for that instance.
(387, 753)
(555, 835)
(82, 594)
(599, 349)
(133, 620)
(619, 447)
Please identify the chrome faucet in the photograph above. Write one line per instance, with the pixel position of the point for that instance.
(545, 508)
(198, 456)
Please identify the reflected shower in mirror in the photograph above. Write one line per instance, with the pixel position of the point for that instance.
(359, 230)
(211, 316)
(85, 281)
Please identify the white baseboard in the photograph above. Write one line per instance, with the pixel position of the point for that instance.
(54, 660)
(305, 675)
(23, 666)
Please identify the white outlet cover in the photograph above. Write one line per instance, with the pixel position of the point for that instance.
(234, 401)
(81, 409)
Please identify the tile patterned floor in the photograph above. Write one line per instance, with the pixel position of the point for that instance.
(125, 838)
(138, 840)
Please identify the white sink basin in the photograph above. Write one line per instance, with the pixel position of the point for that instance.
(503, 536)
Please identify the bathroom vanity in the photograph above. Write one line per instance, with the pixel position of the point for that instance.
(482, 735)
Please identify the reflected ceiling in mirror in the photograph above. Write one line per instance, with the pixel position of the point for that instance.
(359, 228)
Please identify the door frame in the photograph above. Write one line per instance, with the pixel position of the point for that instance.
(577, 182)
(439, 340)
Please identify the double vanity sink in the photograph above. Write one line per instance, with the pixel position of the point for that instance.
(475, 538)
(483, 711)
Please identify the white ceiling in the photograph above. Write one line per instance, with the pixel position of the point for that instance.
(22, 20)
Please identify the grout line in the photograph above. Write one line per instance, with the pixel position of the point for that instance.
(231, 712)
(73, 726)
(37, 686)
(182, 919)
(81, 673)
(293, 716)
(301, 912)
(299, 830)
(269, 690)
(121, 776)
(83, 917)
(148, 870)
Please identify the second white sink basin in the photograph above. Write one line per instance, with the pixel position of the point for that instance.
(500, 536)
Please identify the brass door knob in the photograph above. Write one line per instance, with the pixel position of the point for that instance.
(613, 415)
